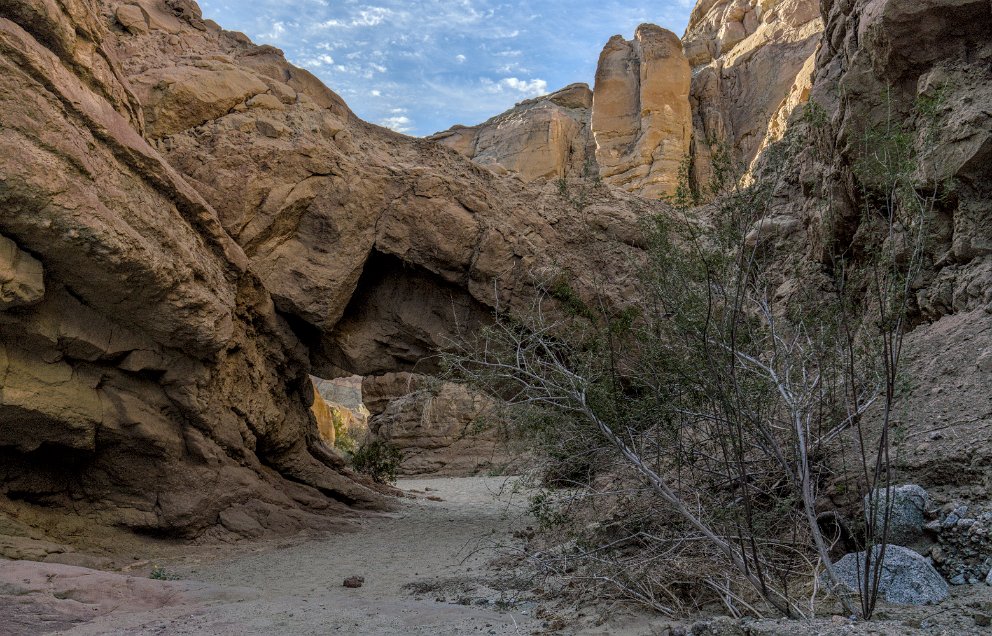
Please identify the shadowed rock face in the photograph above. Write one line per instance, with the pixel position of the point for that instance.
(186, 228)
(174, 261)
(752, 62)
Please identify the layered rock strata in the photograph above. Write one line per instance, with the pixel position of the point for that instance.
(441, 428)
(728, 88)
(640, 113)
(190, 225)
(752, 62)
(633, 130)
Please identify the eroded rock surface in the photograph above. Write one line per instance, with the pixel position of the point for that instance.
(442, 428)
(753, 62)
(723, 93)
(547, 137)
(640, 115)
(190, 225)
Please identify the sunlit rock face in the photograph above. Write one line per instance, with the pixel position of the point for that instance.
(632, 130)
(729, 86)
(543, 138)
(641, 120)
(752, 65)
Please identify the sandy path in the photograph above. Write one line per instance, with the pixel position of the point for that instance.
(441, 545)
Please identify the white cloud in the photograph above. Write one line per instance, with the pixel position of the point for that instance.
(430, 56)
(399, 123)
(278, 30)
(525, 88)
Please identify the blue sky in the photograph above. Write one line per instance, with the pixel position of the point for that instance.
(420, 67)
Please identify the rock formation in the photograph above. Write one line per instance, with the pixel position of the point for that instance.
(543, 138)
(751, 65)
(640, 113)
(324, 416)
(922, 70)
(633, 129)
(442, 428)
(190, 225)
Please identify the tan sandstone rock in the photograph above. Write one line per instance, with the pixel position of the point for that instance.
(22, 278)
(442, 428)
(640, 115)
(158, 381)
(752, 67)
(540, 138)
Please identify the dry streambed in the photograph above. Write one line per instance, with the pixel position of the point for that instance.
(424, 572)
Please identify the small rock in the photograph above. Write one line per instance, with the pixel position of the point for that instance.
(951, 520)
(957, 580)
(354, 581)
(988, 579)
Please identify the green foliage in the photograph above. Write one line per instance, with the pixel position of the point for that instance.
(343, 438)
(378, 459)
(159, 573)
(544, 507)
(725, 389)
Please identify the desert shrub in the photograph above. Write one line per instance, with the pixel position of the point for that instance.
(378, 459)
(697, 420)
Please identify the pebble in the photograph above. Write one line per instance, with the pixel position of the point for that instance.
(354, 581)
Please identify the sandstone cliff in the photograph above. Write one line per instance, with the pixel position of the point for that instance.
(547, 137)
(632, 130)
(920, 70)
(442, 428)
(731, 83)
(752, 63)
(189, 226)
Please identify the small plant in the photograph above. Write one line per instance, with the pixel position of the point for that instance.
(379, 460)
(159, 574)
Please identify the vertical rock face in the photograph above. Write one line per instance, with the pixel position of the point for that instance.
(731, 83)
(753, 62)
(442, 428)
(640, 115)
(925, 65)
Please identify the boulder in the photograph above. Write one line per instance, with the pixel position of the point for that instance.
(908, 504)
(442, 428)
(907, 578)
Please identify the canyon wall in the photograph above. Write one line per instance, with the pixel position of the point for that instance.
(189, 225)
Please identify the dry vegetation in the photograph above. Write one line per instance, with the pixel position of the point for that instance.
(689, 436)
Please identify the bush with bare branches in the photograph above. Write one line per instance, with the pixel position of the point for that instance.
(704, 412)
